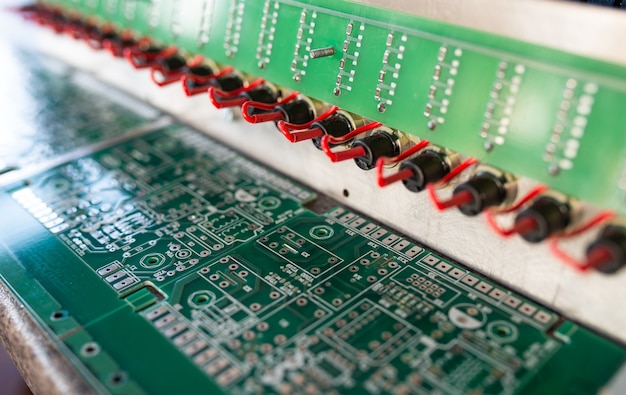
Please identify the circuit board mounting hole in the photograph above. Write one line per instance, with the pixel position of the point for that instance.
(58, 315)
(321, 232)
(90, 349)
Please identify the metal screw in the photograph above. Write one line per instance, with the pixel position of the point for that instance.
(322, 52)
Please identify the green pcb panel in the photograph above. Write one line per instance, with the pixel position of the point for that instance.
(549, 115)
(50, 109)
(171, 264)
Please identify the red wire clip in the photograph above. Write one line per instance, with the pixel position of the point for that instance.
(304, 131)
(194, 84)
(116, 48)
(92, 38)
(351, 153)
(162, 77)
(596, 258)
(224, 99)
(42, 17)
(457, 199)
(141, 59)
(76, 30)
(54, 22)
(25, 10)
(268, 116)
(524, 225)
(402, 174)
(95, 37)
(45, 16)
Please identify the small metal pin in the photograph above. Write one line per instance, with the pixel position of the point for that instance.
(322, 52)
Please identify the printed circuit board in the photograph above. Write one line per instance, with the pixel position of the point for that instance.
(170, 263)
(160, 261)
(50, 110)
(553, 116)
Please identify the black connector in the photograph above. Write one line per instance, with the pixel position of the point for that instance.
(168, 69)
(297, 111)
(545, 217)
(429, 166)
(228, 82)
(172, 64)
(336, 125)
(608, 252)
(262, 94)
(197, 79)
(76, 27)
(483, 190)
(116, 44)
(375, 146)
(144, 55)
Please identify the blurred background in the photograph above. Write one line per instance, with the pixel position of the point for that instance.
(12, 383)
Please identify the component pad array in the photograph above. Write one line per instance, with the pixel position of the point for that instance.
(552, 116)
(34, 97)
(169, 263)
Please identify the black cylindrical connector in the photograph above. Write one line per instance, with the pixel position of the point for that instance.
(55, 18)
(94, 36)
(146, 55)
(429, 166)
(486, 190)
(229, 82)
(297, 111)
(612, 244)
(109, 35)
(198, 75)
(76, 26)
(549, 215)
(337, 125)
(116, 44)
(375, 146)
(200, 71)
(149, 49)
(261, 94)
(172, 63)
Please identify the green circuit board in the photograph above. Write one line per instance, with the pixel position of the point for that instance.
(534, 111)
(37, 90)
(171, 264)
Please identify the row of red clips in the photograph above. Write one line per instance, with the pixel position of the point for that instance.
(168, 66)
